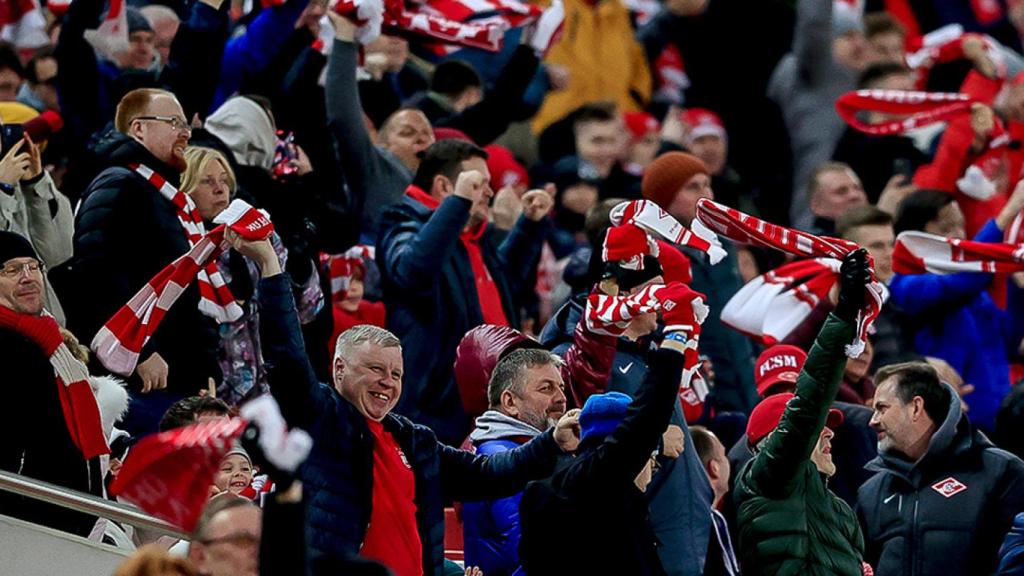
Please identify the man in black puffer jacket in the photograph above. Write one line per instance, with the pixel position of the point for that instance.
(126, 231)
(944, 496)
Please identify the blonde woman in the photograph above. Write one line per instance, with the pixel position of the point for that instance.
(210, 182)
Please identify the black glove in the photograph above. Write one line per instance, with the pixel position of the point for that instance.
(854, 277)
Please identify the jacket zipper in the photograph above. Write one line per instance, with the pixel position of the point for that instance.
(913, 537)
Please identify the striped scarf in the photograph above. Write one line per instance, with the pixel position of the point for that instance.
(119, 342)
(747, 229)
(922, 253)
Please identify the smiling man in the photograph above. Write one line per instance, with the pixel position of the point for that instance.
(377, 482)
(127, 229)
(37, 441)
(943, 496)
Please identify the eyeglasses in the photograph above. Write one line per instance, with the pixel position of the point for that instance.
(177, 124)
(15, 270)
(235, 539)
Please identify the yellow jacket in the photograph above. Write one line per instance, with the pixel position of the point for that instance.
(604, 58)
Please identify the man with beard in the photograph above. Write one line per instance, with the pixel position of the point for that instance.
(527, 396)
(127, 229)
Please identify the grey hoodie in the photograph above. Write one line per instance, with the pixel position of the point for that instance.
(245, 127)
(805, 85)
(493, 425)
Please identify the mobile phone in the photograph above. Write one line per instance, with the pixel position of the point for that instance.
(903, 167)
(10, 134)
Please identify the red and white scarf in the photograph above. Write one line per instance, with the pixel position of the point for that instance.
(775, 304)
(340, 267)
(120, 341)
(215, 299)
(747, 229)
(651, 218)
(922, 253)
(81, 413)
(920, 108)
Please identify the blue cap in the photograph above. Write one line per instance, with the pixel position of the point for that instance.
(602, 413)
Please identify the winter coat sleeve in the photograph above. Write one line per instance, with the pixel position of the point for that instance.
(412, 254)
(587, 363)
(50, 222)
(812, 40)
(777, 465)
(372, 179)
(1013, 326)
(82, 109)
(292, 381)
(616, 462)
(520, 251)
(485, 121)
(469, 477)
(193, 69)
(1011, 555)
(253, 51)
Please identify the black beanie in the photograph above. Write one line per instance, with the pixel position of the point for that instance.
(136, 21)
(15, 246)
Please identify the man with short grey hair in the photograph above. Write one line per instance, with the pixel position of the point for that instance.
(377, 482)
(527, 396)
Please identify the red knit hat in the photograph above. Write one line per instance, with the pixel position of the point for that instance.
(767, 415)
(504, 168)
(640, 124)
(777, 364)
(669, 172)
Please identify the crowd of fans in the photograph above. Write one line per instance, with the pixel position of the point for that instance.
(498, 357)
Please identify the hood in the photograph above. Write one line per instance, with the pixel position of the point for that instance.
(493, 425)
(954, 437)
(562, 325)
(477, 355)
(244, 126)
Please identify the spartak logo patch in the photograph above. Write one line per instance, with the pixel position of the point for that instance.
(949, 487)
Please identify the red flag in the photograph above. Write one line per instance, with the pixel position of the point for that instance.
(169, 474)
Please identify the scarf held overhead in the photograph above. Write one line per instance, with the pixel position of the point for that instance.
(651, 218)
(120, 341)
(747, 229)
(922, 253)
(81, 413)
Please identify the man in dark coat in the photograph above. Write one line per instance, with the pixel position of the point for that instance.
(377, 481)
(442, 275)
(36, 442)
(602, 491)
(125, 232)
(943, 496)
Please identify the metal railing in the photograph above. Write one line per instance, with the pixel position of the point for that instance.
(86, 503)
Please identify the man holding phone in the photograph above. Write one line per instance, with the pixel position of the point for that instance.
(32, 206)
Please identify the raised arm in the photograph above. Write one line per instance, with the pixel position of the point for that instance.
(790, 445)
(194, 66)
(292, 380)
(372, 179)
(812, 39)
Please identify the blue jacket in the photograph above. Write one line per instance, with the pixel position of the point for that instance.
(338, 475)
(680, 494)
(431, 299)
(252, 52)
(1011, 555)
(491, 528)
(958, 322)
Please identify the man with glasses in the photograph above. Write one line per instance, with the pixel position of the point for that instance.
(38, 438)
(131, 224)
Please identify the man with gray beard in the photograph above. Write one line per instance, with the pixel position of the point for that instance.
(526, 396)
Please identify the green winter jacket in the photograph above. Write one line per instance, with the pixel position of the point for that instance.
(789, 521)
